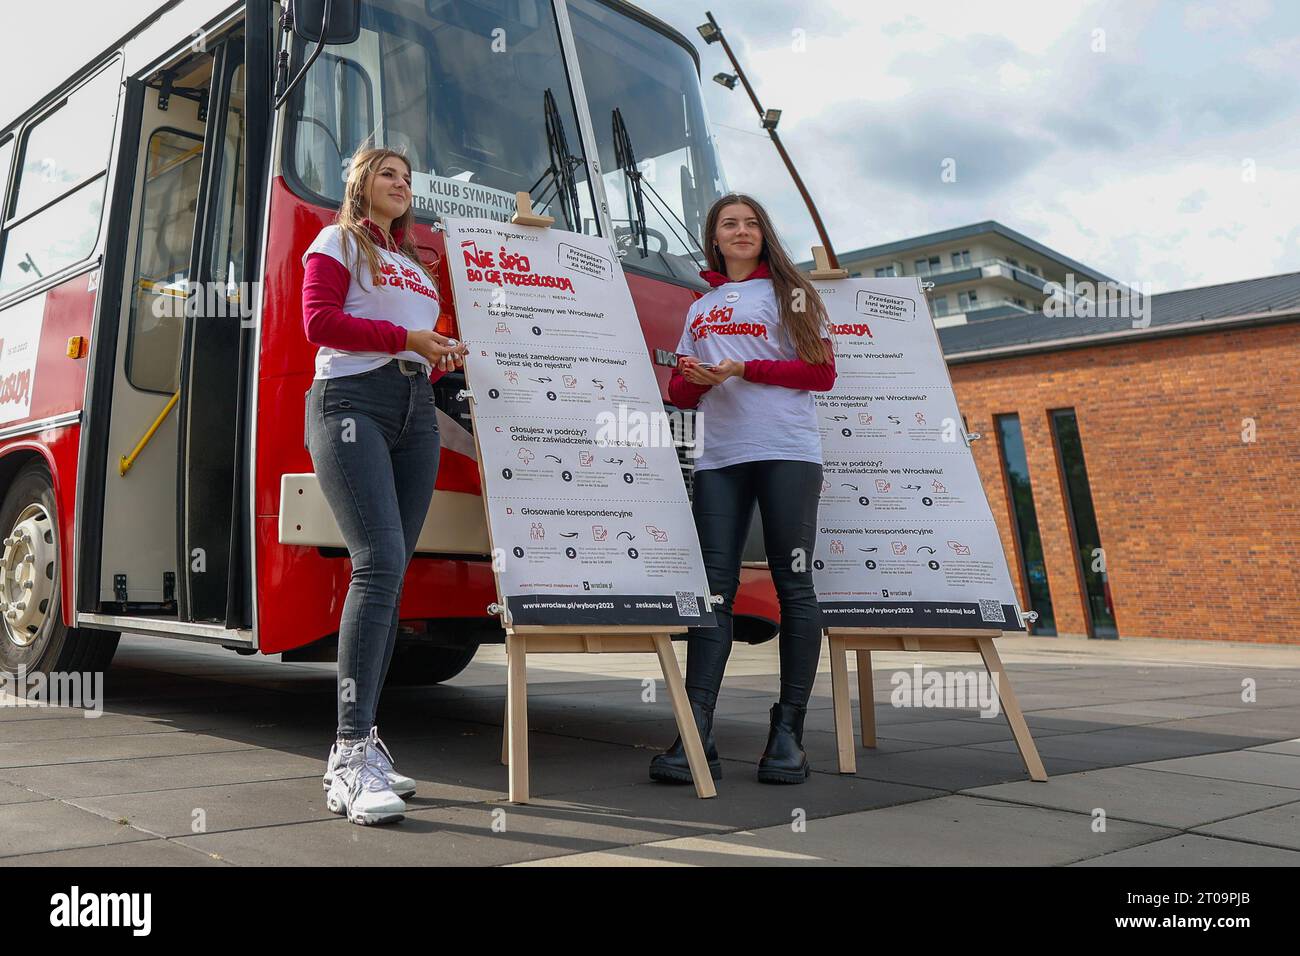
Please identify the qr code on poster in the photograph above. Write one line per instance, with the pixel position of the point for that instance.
(992, 611)
(687, 605)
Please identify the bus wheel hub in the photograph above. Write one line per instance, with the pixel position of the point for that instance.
(27, 574)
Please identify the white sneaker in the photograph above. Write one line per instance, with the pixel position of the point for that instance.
(402, 785)
(360, 790)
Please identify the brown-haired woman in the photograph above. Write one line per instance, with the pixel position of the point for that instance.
(753, 351)
(371, 306)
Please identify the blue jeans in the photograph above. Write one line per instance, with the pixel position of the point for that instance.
(374, 441)
(787, 494)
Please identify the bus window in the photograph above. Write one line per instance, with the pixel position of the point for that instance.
(60, 185)
(339, 107)
(171, 187)
(476, 95)
(60, 236)
(6, 153)
(651, 80)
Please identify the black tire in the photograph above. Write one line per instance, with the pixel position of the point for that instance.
(42, 643)
(417, 664)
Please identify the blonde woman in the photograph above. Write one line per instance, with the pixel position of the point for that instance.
(371, 305)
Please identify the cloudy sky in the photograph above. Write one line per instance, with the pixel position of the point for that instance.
(1130, 159)
(1155, 141)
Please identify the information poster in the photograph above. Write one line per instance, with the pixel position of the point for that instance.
(905, 535)
(587, 508)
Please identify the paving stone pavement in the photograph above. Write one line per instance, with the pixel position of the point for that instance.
(1158, 755)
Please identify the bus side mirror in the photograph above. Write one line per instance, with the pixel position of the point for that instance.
(344, 24)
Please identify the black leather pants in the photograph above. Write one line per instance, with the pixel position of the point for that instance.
(787, 494)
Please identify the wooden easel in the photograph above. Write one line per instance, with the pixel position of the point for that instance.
(864, 640)
(524, 215)
(522, 640)
(822, 266)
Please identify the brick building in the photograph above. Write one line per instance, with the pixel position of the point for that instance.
(1144, 479)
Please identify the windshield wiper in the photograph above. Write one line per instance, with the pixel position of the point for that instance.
(562, 166)
(635, 195)
(626, 158)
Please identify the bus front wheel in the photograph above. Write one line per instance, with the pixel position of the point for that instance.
(33, 637)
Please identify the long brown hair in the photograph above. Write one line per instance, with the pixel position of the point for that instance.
(356, 207)
(806, 326)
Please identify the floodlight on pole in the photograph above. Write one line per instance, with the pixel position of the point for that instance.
(712, 33)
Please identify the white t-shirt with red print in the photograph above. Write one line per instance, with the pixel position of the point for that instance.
(402, 295)
(741, 420)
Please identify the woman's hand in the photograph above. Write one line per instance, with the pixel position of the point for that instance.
(696, 375)
(689, 367)
(437, 348)
(729, 367)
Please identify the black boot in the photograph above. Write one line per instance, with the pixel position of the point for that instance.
(671, 766)
(784, 760)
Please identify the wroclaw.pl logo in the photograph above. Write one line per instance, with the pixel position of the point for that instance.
(83, 690)
(76, 908)
(945, 689)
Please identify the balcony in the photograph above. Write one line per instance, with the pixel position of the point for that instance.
(995, 268)
(986, 311)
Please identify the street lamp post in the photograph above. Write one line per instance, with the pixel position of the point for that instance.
(712, 33)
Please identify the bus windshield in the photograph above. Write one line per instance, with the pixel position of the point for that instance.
(476, 94)
(644, 95)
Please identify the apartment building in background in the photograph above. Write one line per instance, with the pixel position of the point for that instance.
(980, 272)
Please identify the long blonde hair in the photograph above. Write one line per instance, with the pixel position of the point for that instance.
(356, 207)
(806, 326)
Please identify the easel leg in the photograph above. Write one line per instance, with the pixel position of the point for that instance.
(517, 716)
(866, 699)
(1011, 707)
(843, 707)
(505, 718)
(690, 734)
(505, 734)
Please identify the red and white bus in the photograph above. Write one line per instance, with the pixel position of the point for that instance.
(153, 365)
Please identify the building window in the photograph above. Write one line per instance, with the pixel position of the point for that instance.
(885, 272)
(1083, 523)
(961, 260)
(1015, 474)
(1033, 270)
(940, 305)
(925, 266)
(968, 301)
(1013, 262)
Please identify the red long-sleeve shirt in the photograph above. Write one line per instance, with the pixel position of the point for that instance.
(324, 290)
(791, 373)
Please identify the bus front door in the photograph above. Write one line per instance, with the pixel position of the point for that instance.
(171, 521)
